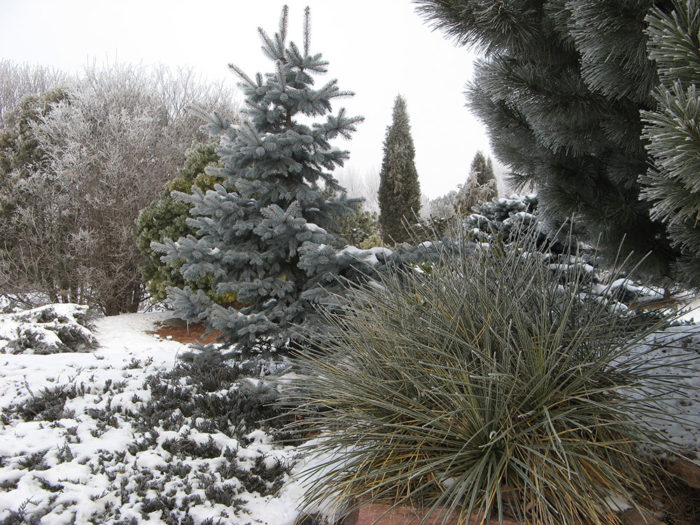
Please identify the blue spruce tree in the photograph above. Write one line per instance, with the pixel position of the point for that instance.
(270, 240)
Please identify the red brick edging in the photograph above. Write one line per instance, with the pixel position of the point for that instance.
(379, 514)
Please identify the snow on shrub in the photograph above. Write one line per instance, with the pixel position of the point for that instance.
(48, 329)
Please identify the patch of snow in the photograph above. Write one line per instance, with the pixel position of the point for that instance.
(675, 352)
(691, 313)
(46, 330)
(70, 469)
(574, 266)
(315, 228)
(369, 256)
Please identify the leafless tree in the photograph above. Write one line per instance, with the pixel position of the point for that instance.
(365, 185)
(443, 206)
(19, 80)
(109, 149)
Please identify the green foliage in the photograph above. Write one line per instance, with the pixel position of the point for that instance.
(480, 186)
(360, 228)
(167, 217)
(399, 190)
(19, 148)
(194, 172)
(560, 90)
(432, 229)
(20, 154)
(22, 161)
(482, 169)
(489, 384)
(672, 185)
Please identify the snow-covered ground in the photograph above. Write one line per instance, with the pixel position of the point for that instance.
(117, 435)
(73, 448)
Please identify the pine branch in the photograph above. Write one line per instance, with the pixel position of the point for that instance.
(295, 55)
(325, 91)
(215, 123)
(242, 75)
(283, 23)
(252, 132)
(269, 47)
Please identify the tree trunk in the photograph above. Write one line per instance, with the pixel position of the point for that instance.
(125, 301)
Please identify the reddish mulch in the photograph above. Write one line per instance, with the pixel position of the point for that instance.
(193, 333)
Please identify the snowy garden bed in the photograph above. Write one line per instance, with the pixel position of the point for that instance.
(48, 329)
(129, 433)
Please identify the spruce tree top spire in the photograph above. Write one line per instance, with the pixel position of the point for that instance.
(307, 29)
(263, 240)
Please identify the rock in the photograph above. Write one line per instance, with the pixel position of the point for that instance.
(634, 517)
(174, 322)
(688, 471)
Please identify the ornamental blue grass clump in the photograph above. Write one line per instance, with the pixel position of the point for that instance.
(270, 240)
(492, 386)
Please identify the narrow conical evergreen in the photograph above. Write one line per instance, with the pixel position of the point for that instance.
(672, 185)
(480, 186)
(267, 240)
(399, 190)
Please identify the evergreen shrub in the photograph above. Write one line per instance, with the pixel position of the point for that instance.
(491, 386)
(399, 189)
(167, 218)
(560, 88)
(360, 228)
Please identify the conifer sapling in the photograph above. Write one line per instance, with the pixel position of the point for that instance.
(270, 240)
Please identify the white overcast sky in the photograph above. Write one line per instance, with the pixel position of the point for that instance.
(376, 48)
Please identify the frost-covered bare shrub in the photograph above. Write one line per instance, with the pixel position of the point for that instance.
(107, 149)
(20, 80)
